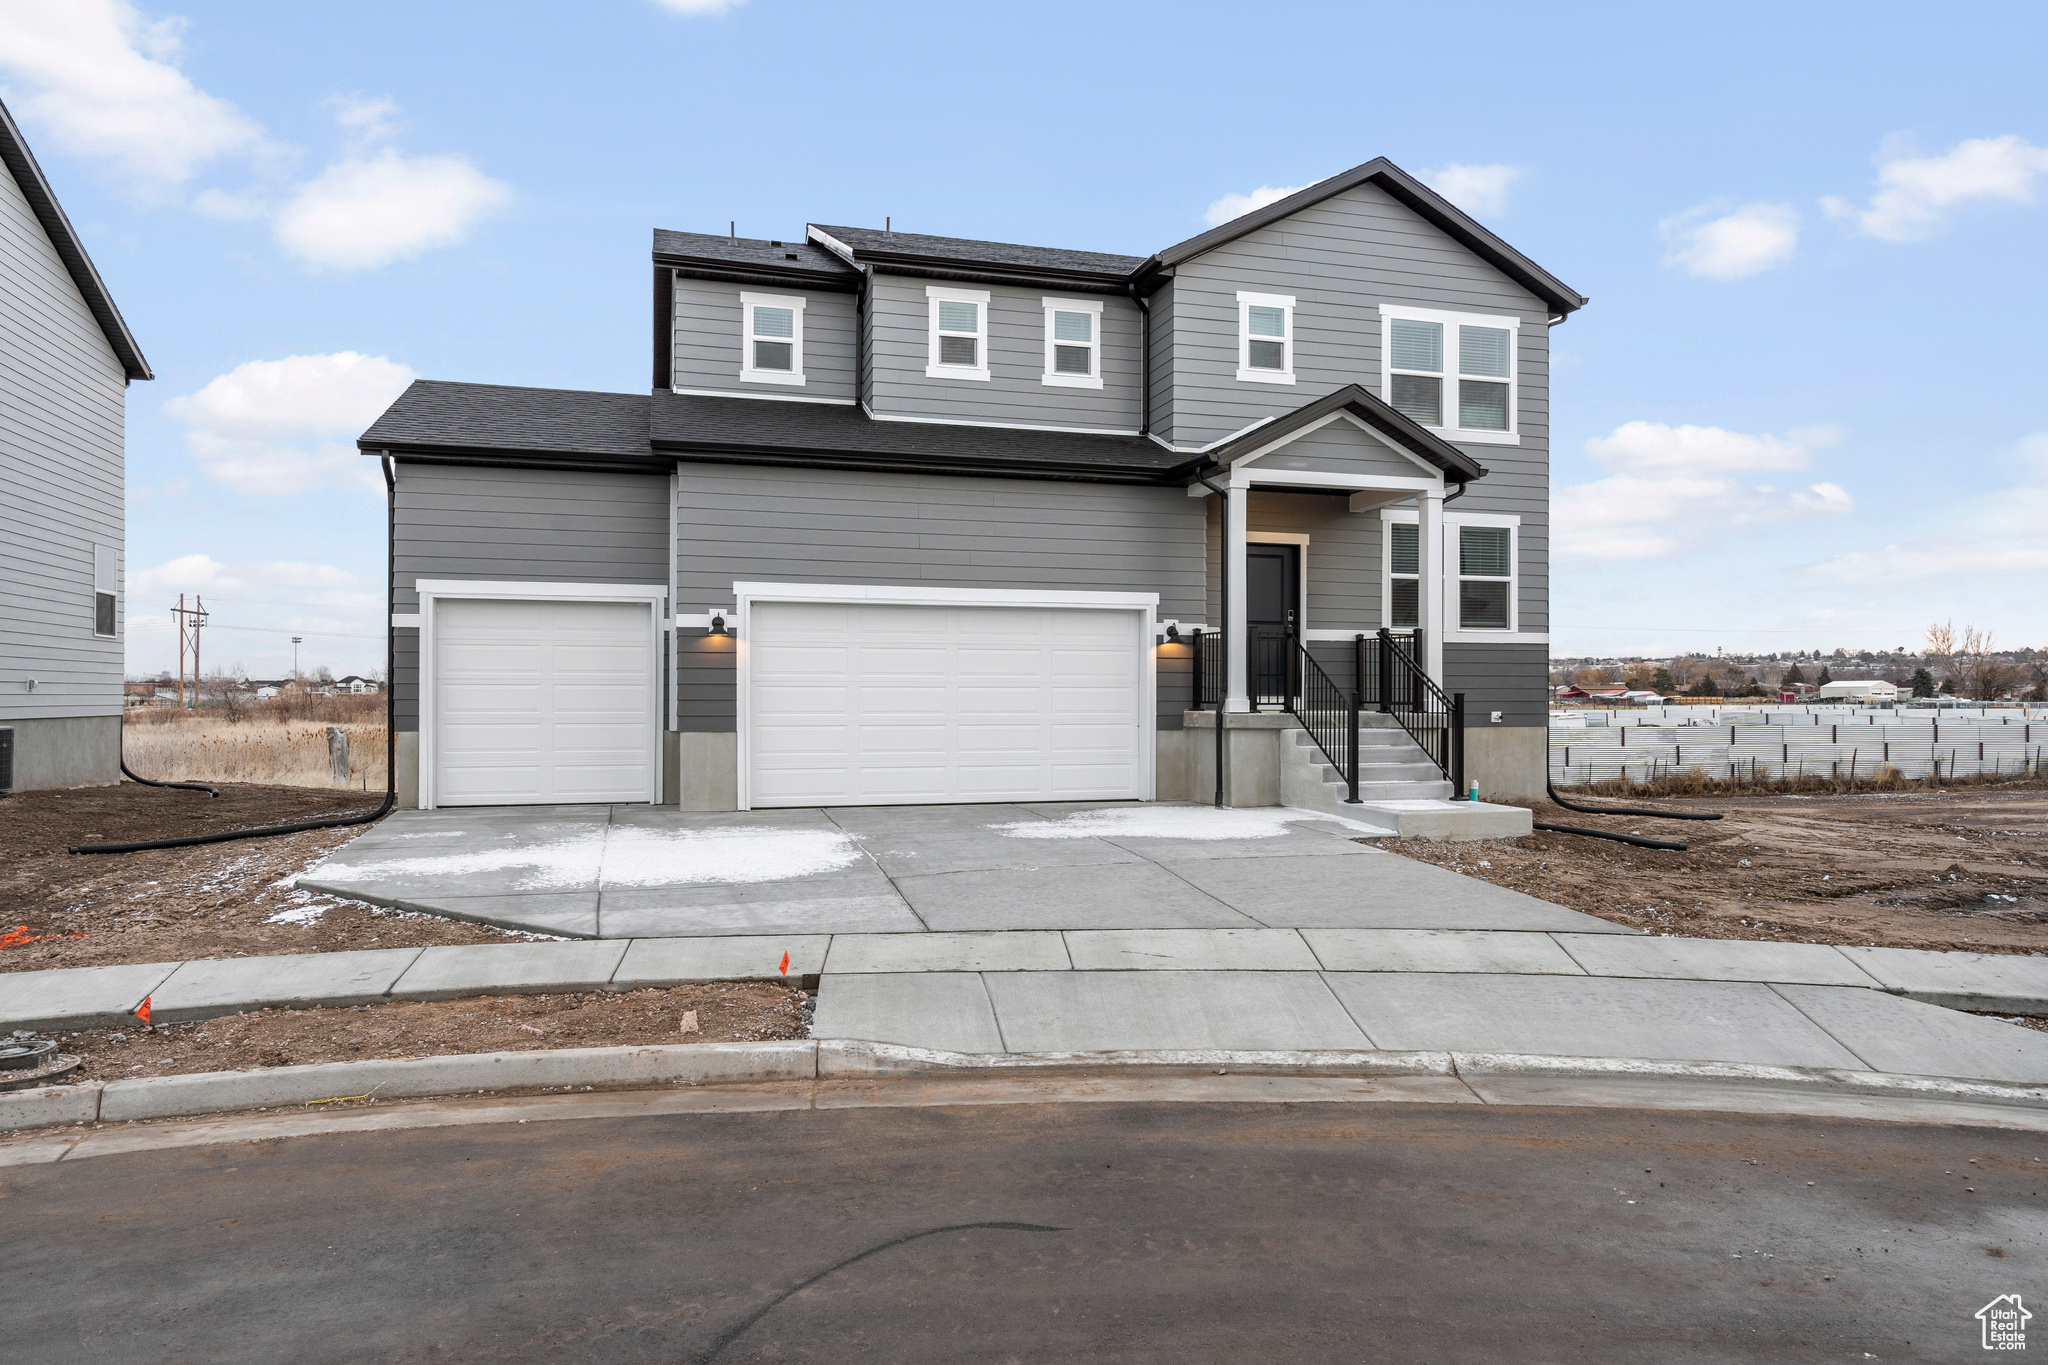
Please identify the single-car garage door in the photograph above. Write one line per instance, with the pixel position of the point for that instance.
(543, 702)
(867, 704)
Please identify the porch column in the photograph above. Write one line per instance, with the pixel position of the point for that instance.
(1239, 698)
(1430, 608)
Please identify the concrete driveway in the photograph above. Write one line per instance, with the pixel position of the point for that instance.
(652, 871)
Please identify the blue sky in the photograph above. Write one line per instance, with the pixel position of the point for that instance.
(1804, 408)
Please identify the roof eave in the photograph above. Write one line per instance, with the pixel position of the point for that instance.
(735, 272)
(984, 272)
(736, 452)
(1362, 403)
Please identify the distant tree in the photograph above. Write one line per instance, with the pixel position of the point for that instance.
(1705, 687)
(1948, 687)
(1825, 677)
(1922, 683)
(1663, 682)
(1793, 675)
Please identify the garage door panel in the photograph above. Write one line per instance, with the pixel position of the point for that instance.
(537, 702)
(957, 703)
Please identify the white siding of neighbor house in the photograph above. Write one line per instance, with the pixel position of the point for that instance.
(709, 343)
(1015, 392)
(62, 414)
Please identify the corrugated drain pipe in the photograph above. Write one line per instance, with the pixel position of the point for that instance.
(390, 723)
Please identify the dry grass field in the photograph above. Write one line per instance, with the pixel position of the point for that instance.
(279, 743)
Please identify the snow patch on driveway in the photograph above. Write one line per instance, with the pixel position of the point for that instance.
(621, 856)
(1161, 822)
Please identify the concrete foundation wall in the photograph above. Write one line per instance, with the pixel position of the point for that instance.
(66, 751)
(707, 770)
(1252, 757)
(1173, 766)
(1506, 760)
(408, 769)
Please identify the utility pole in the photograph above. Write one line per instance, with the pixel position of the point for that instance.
(295, 656)
(189, 622)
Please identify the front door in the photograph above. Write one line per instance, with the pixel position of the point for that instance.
(1272, 605)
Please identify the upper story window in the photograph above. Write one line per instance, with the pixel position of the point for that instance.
(1265, 338)
(1452, 372)
(774, 342)
(1479, 574)
(105, 578)
(1073, 342)
(959, 333)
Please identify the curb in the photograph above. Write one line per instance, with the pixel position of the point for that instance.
(695, 1064)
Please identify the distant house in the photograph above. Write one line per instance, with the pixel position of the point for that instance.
(1860, 689)
(64, 376)
(355, 686)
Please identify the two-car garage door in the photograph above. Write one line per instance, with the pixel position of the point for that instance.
(866, 703)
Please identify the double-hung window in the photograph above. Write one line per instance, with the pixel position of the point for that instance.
(1265, 338)
(1479, 571)
(774, 342)
(1452, 372)
(959, 333)
(105, 577)
(1073, 342)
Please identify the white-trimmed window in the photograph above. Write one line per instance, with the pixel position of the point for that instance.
(106, 575)
(774, 343)
(1452, 372)
(1265, 338)
(1073, 342)
(1481, 576)
(959, 333)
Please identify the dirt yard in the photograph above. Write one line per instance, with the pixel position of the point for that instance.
(743, 1011)
(59, 909)
(1949, 869)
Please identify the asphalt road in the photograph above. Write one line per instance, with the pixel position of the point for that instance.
(1043, 1232)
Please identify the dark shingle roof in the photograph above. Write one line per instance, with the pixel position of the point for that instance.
(1368, 408)
(685, 424)
(872, 242)
(42, 200)
(434, 415)
(746, 253)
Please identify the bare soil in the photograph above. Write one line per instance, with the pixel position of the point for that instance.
(724, 1012)
(1959, 870)
(60, 909)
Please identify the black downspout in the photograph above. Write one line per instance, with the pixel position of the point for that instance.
(1145, 352)
(1222, 635)
(862, 301)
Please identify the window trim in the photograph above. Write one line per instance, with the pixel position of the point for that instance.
(1246, 301)
(1053, 303)
(1450, 376)
(749, 300)
(934, 295)
(106, 582)
(1455, 632)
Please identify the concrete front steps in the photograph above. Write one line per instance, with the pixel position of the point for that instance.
(1399, 788)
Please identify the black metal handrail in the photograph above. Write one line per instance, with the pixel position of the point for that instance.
(1393, 679)
(1328, 713)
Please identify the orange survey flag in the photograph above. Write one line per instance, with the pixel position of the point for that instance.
(785, 964)
(142, 1010)
(16, 936)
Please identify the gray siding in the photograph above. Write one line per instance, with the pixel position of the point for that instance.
(1512, 679)
(62, 418)
(1015, 392)
(737, 523)
(709, 345)
(1340, 563)
(523, 525)
(1161, 304)
(1341, 260)
(1340, 447)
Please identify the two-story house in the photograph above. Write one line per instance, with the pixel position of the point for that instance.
(914, 519)
(66, 359)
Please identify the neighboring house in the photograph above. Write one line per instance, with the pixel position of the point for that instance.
(65, 365)
(921, 519)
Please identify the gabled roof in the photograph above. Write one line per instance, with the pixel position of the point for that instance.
(747, 258)
(1439, 211)
(1387, 421)
(42, 201)
(753, 430)
(915, 253)
(501, 424)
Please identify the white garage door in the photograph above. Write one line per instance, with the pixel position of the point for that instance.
(864, 704)
(543, 702)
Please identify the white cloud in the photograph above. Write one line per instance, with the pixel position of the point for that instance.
(1238, 205)
(368, 119)
(1475, 189)
(1676, 489)
(703, 7)
(104, 82)
(1734, 245)
(370, 211)
(1914, 192)
(279, 427)
(1998, 535)
(334, 586)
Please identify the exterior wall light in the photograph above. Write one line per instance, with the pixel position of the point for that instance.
(718, 623)
(1173, 632)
